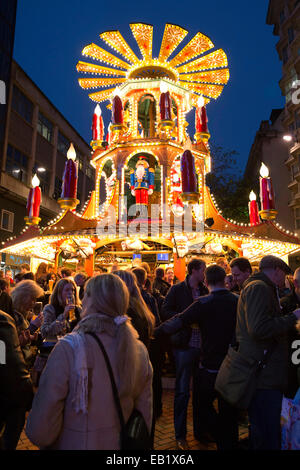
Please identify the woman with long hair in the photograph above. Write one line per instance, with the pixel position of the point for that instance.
(74, 407)
(62, 313)
(141, 317)
(41, 275)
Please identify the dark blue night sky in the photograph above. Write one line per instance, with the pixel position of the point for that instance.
(51, 35)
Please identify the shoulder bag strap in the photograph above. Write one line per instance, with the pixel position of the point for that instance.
(112, 379)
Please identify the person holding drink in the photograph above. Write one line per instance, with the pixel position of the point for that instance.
(62, 313)
(51, 282)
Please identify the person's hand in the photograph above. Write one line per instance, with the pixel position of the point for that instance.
(24, 338)
(67, 309)
(34, 337)
(37, 322)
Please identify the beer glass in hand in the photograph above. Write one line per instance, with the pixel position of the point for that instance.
(71, 301)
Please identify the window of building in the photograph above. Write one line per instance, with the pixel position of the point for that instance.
(57, 188)
(89, 171)
(289, 88)
(281, 16)
(22, 105)
(7, 220)
(44, 178)
(294, 170)
(16, 164)
(63, 144)
(291, 127)
(285, 55)
(45, 127)
(297, 218)
(291, 35)
(80, 161)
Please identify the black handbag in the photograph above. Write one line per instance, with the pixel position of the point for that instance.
(134, 434)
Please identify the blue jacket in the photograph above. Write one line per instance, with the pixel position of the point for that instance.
(147, 181)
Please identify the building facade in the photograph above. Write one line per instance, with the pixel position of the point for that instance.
(37, 138)
(285, 16)
(270, 148)
(8, 9)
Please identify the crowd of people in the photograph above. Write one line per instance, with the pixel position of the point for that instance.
(55, 370)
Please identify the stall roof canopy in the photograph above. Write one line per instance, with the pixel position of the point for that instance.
(254, 241)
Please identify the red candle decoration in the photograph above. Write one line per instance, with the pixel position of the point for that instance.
(188, 173)
(165, 103)
(266, 190)
(70, 178)
(34, 198)
(117, 110)
(201, 117)
(98, 128)
(253, 209)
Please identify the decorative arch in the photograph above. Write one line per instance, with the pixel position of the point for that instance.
(146, 152)
(98, 179)
(141, 150)
(147, 119)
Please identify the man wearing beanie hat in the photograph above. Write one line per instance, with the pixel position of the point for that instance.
(261, 327)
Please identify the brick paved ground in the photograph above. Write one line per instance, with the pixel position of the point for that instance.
(164, 431)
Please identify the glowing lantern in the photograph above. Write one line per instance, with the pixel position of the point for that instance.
(201, 121)
(253, 209)
(165, 103)
(267, 198)
(34, 202)
(117, 110)
(189, 178)
(98, 127)
(70, 178)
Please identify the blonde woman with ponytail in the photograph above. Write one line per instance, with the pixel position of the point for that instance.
(74, 407)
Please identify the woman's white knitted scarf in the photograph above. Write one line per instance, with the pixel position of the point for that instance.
(77, 342)
(97, 323)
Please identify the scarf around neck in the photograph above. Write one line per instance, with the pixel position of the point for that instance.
(97, 323)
